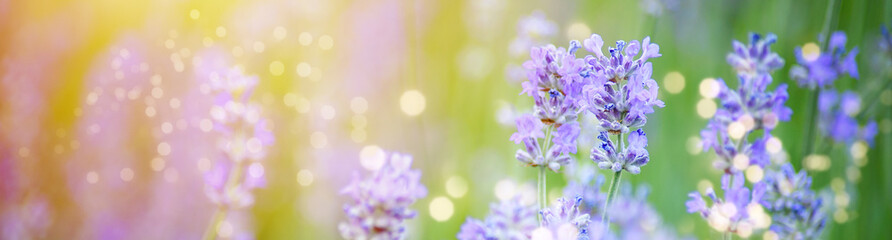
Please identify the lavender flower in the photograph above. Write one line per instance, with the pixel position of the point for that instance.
(755, 58)
(822, 70)
(634, 218)
(836, 118)
(631, 159)
(243, 137)
(564, 221)
(738, 212)
(749, 108)
(509, 220)
(795, 208)
(622, 92)
(587, 183)
(555, 83)
(380, 203)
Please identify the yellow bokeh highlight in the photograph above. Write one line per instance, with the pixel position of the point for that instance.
(412, 102)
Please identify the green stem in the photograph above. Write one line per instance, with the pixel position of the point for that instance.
(727, 236)
(543, 202)
(811, 125)
(211, 232)
(611, 194)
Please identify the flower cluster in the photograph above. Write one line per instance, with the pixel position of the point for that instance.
(634, 218)
(631, 158)
(244, 137)
(509, 219)
(587, 183)
(380, 203)
(749, 108)
(738, 211)
(837, 118)
(564, 221)
(555, 83)
(795, 209)
(620, 95)
(821, 69)
(622, 91)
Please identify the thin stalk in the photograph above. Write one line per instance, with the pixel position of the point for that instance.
(727, 236)
(541, 193)
(811, 124)
(211, 232)
(611, 192)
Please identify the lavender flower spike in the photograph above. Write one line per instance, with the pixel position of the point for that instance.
(818, 70)
(380, 203)
(631, 159)
(795, 208)
(622, 91)
(564, 221)
(755, 58)
(738, 212)
(509, 219)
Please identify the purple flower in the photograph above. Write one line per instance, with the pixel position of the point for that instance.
(555, 83)
(565, 137)
(755, 58)
(622, 91)
(379, 204)
(836, 118)
(587, 183)
(795, 208)
(527, 127)
(748, 108)
(822, 70)
(564, 220)
(510, 219)
(738, 212)
(632, 158)
(244, 137)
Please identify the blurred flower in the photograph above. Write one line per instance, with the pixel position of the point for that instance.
(755, 58)
(509, 219)
(796, 210)
(564, 221)
(622, 91)
(632, 158)
(822, 70)
(584, 181)
(380, 203)
(243, 138)
(738, 212)
(836, 118)
(633, 218)
(532, 30)
(555, 83)
(749, 108)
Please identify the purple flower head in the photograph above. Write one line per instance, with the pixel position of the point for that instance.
(836, 118)
(795, 208)
(818, 70)
(555, 83)
(509, 219)
(632, 217)
(631, 159)
(527, 127)
(244, 138)
(564, 220)
(587, 183)
(738, 212)
(565, 137)
(747, 109)
(755, 58)
(379, 204)
(622, 91)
